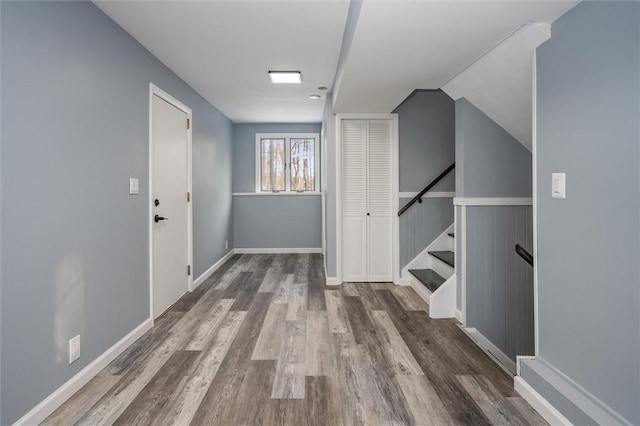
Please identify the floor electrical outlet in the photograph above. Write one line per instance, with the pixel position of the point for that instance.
(74, 349)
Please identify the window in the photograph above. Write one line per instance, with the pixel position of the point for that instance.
(287, 162)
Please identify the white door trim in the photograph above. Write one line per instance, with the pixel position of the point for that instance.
(463, 266)
(395, 198)
(323, 188)
(155, 90)
(534, 178)
(395, 190)
(338, 192)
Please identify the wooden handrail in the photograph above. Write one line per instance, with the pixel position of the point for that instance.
(418, 198)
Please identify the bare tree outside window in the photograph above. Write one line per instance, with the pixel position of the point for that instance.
(272, 164)
(302, 165)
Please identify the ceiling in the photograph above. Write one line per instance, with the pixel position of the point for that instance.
(224, 48)
(500, 83)
(400, 46)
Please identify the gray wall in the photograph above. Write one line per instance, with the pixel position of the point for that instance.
(426, 121)
(499, 298)
(329, 139)
(212, 165)
(422, 224)
(244, 149)
(271, 221)
(347, 39)
(277, 221)
(499, 283)
(427, 140)
(588, 243)
(489, 161)
(75, 244)
(0, 215)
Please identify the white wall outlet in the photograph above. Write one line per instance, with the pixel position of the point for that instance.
(226, 244)
(558, 185)
(134, 186)
(74, 349)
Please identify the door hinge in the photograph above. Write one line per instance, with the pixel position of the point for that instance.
(188, 270)
(188, 123)
(188, 197)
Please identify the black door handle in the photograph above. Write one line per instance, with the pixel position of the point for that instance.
(157, 218)
(368, 214)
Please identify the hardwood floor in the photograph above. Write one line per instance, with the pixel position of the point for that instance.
(264, 342)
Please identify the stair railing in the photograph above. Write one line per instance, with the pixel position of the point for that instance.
(418, 198)
(528, 257)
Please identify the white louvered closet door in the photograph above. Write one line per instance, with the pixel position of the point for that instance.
(354, 200)
(366, 200)
(379, 201)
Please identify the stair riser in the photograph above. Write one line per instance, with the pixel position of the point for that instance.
(443, 244)
(425, 261)
(440, 267)
(442, 303)
(420, 289)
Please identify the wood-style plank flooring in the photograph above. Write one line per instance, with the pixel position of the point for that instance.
(264, 342)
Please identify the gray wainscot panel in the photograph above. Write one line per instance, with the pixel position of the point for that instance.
(421, 224)
(499, 284)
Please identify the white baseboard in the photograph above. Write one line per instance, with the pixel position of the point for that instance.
(202, 278)
(333, 281)
(492, 350)
(277, 250)
(405, 281)
(66, 391)
(553, 385)
(519, 359)
(458, 315)
(541, 405)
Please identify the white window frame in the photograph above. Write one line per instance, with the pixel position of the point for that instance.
(287, 169)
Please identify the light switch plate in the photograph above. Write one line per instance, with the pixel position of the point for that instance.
(134, 186)
(558, 185)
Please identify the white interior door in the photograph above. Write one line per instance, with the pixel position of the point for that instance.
(170, 215)
(380, 249)
(354, 201)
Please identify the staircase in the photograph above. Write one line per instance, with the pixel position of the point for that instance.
(432, 275)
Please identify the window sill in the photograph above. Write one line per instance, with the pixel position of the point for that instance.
(277, 194)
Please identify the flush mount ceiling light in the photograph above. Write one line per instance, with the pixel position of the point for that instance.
(314, 96)
(285, 77)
